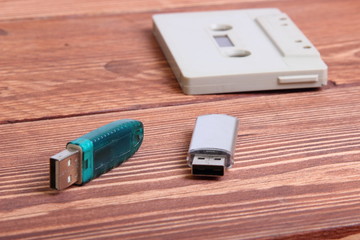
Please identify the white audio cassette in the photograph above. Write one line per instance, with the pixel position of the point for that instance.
(238, 51)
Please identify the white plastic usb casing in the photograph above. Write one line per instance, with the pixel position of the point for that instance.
(212, 145)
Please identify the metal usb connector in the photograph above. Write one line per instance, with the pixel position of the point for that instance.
(205, 165)
(65, 169)
(212, 145)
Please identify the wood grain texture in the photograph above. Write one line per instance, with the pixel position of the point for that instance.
(32, 9)
(297, 170)
(69, 67)
(92, 65)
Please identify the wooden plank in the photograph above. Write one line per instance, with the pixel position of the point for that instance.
(51, 63)
(296, 172)
(58, 67)
(19, 9)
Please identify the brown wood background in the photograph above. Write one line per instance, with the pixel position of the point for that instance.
(68, 67)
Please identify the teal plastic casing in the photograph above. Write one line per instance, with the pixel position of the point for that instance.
(107, 147)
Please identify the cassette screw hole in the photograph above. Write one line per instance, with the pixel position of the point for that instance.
(307, 47)
(298, 41)
(221, 27)
(283, 18)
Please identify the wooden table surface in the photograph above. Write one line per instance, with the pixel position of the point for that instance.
(68, 67)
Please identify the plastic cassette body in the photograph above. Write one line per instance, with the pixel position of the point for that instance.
(238, 51)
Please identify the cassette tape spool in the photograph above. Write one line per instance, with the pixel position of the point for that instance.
(238, 51)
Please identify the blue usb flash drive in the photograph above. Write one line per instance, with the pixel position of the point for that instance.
(95, 153)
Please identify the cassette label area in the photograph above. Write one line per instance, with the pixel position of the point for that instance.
(238, 51)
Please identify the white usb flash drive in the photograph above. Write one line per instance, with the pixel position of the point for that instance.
(212, 145)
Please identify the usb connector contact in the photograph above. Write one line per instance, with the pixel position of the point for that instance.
(212, 145)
